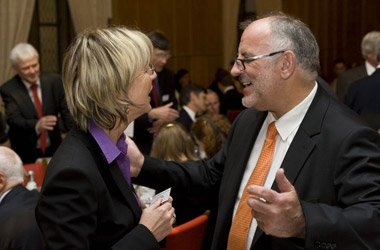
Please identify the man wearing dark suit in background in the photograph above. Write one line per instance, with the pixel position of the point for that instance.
(193, 103)
(364, 95)
(33, 130)
(368, 48)
(18, 225)
(321, 190)
(163, 101)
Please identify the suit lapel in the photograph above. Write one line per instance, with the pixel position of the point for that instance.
(21, 94)
(126, 190)
(303, 143)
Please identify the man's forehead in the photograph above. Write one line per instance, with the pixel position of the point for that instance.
(255, 38)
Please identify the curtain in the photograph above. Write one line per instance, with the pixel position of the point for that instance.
(15, 20)
(90, 13)
(230, 19)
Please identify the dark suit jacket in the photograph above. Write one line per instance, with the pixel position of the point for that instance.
(142, 137)
(364, 98)
(18, 225)
(333, 162)
(185, 119)
(21, 114)
(86, 203)
(347, 78)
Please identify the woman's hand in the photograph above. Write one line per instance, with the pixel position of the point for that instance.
(159, 219)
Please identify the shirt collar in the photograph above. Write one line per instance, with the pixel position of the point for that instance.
(293, 118)
(27, 84)
(5, 194)
(190, 112)
(110, 150)
(369, 68)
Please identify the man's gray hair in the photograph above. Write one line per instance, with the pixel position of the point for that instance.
(289, 33)
(21, 52)
(11, 165)
(370, 43)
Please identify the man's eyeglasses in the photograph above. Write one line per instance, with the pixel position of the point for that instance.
(150, 70)
(240, 62)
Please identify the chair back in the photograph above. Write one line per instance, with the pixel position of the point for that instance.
(39, 173)
(188, 236)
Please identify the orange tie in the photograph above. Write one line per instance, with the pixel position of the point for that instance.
(243, 217)
(39, 111)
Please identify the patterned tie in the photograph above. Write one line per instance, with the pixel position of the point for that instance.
(39, 111)
(243, 217)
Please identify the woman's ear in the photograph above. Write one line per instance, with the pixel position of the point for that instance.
(288, 64)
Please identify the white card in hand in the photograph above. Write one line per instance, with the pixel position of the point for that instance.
(164, 195)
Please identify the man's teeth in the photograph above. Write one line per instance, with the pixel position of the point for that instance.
(245, 84)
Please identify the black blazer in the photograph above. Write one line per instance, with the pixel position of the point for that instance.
(18, 225)
(347, 78)
(364, 98)
(185, 119)
(142, 137)
(333, 162)
(21, 114)
(86, 203)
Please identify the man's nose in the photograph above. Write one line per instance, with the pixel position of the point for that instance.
(235, 71)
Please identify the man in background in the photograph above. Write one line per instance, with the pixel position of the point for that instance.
(193, 103)
(34, 101)
(163, 101)
(364, 95)
(368, 48)
(18, 225)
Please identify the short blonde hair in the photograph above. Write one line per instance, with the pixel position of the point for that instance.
(98, 71)
(11, 165)
(174, 143)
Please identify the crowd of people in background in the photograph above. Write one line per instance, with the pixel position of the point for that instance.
(187, 122)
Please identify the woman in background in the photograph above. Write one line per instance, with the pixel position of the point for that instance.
(87, 200)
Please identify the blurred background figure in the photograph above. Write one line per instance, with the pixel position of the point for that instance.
(210, 132)
(368, 48)
(212, 102)
(193, 103)
(339, 68)
(18, 225)
(34, 101)
(4, 139)
(163, 99)
(182, 79)
(174, 143)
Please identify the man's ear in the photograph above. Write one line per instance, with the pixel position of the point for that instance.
(3, 181)
(288, 64)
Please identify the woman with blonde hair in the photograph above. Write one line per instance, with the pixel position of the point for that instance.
(174, 143)
(87, 200)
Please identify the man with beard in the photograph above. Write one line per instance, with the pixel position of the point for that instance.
(298, 170)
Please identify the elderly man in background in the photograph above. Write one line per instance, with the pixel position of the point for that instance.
(33, 101)
(18, 225)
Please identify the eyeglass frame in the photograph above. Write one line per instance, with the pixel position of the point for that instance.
(151, 69)
(254, 58)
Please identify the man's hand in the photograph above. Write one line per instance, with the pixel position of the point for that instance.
(46, 123)
(277, 214)
(164, 113)
(136, 158)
